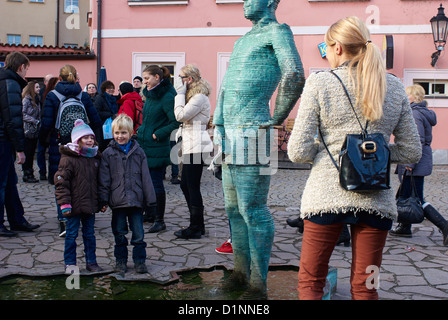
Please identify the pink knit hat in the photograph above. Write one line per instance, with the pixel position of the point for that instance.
(80, 130)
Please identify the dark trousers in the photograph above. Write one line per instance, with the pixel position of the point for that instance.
(157, 176)
(120, 219)
(9, 195)
(30, 150)
(191, 179)
(41, 161)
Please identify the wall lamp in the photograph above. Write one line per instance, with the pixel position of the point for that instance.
(439, 25)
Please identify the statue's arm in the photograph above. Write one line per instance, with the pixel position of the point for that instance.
(293, 78)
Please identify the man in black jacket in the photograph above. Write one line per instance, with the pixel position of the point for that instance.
(12, 81)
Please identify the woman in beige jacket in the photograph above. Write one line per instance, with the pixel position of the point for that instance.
(325, 206)
(192, 108)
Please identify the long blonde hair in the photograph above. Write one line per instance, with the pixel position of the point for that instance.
(366, 61)
(198, 85)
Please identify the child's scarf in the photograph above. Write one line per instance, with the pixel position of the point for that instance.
(84, 151)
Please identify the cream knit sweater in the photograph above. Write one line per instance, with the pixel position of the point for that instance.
(325, 105)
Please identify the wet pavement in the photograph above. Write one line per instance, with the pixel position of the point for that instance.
(413, 268)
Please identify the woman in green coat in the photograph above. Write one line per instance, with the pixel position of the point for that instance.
(154, 133)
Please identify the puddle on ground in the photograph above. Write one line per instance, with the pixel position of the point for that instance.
(193, 285)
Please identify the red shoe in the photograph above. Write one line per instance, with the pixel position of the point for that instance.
(226, 248)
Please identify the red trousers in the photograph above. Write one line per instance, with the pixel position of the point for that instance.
(317, 246)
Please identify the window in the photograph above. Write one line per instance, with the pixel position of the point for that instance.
(435, 83)
(36, 41)
(71, 6)
(336, 0)
(38, 1)
(229, 1)
(172, 60)
(14, 39)
(156, 2)
(434, 88)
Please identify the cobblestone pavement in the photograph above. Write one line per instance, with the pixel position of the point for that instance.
(413, 268)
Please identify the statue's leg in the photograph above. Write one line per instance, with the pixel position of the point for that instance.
(240, 240)
(252, 190)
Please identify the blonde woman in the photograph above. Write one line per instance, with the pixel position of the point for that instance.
(192, 108)
(325, 206)
(425, 120)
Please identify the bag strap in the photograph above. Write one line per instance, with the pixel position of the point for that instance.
(413, 188)
(325, 145)
(364, 130)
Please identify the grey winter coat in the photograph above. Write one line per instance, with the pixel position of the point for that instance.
(324, 105)
(425, 119)
(124, 180)
(31, 117)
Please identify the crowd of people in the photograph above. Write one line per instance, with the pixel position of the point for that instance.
(117, 157)
(143, 120)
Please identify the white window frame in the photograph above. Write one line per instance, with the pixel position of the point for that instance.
(75, 7)
(15, 36)
(38, 1)
(229, 1)
(157, 3)
(140, 58)
(410, 76)
(337, 0)
(34, 37)
(223, 63)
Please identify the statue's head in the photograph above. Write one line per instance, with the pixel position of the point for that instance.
(257, 9)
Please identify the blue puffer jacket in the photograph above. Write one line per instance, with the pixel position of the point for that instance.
(48, 135)
(425, 119)
(11, 120)
(50, 111)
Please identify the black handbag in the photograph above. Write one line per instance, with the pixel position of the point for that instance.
(364, 159)
(409, 209)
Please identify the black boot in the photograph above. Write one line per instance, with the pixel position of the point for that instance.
(436, 218)
(344, 237)
(28, 176)
(194, 231)
(402, 230)
(159, 223)
(149, 214)
(296, 223)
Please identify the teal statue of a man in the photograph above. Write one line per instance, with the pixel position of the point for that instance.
(263, 60)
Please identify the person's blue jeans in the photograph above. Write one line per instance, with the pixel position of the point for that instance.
(120, 219)
(88, 236)
(9, 195)
(40, 157)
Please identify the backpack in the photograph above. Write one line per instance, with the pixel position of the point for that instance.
(138, 113)
(70, 109)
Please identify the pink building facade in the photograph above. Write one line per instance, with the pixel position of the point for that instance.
(177, 32)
